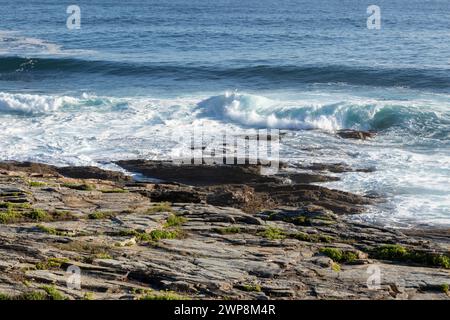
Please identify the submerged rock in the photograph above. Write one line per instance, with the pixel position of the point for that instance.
(355, 134)
(335, 167)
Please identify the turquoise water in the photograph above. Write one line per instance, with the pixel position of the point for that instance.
(137, 71)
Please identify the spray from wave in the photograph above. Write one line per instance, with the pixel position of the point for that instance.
(32, 104)
(35, 104)
(95, 130)
(256, 111)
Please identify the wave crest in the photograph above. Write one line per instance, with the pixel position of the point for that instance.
(31, 103)
(256, 111)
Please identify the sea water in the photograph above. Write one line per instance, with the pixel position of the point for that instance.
(137, 71)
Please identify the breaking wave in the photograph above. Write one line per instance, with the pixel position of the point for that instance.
(254, 111)
(257, 111)
(32, 103)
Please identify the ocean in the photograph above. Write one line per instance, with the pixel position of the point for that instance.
(137, 71)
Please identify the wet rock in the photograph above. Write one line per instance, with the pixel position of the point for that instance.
(355, 134)
(300, 195)
(92, 173)
(197, 175)
(308, 177)
(243, 186)
(335, 168)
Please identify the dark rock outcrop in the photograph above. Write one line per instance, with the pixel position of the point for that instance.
(197, 175)
(334, 167)
(28, 167)
(242, 186)
(355, 134)
(92, 173)
(68, 171)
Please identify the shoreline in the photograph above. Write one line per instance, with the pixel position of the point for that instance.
(208, 232)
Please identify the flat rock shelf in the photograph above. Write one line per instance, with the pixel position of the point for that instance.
(204, 232)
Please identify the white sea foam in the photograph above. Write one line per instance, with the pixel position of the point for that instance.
(29, 103)
(357, 113)
(14, 43)
(95, 130)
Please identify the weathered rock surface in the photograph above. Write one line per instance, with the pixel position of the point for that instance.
(245, 240)
(243, 186)
(199, 175)
(70, 172)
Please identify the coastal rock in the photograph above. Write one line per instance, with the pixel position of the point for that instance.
(355, 134)
(197, 175)
(335, 168)
(92, 173)
(300, 195)
(303, 177)
(129, 246)
(304, 215)
(28, 167)
(242, 186)
(172, 193)
(70, 171)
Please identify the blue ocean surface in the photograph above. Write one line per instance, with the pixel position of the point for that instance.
(137, 71)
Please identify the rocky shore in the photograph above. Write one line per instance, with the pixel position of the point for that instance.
(204, 232)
